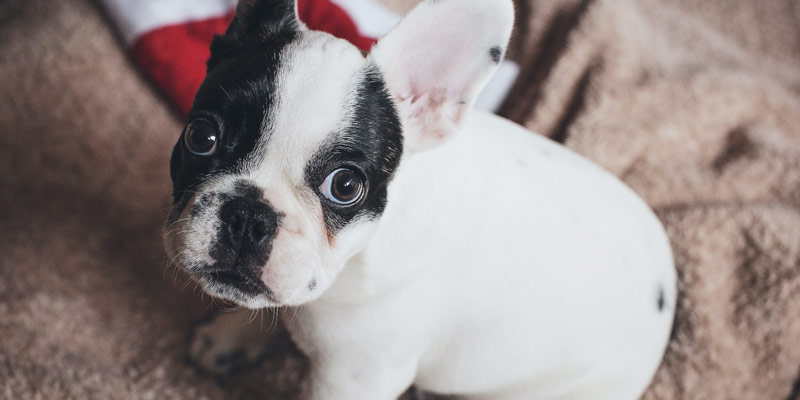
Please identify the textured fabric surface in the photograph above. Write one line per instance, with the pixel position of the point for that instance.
(694, 103)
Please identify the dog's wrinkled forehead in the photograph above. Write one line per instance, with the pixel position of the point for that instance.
(289, 110)
(316, 98)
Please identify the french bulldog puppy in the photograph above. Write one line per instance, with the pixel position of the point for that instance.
(428, 244)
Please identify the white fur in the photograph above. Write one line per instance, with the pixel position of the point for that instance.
(504, 265)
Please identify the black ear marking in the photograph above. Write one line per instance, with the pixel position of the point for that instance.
(256, 22)
(262, 17)
(496, 54)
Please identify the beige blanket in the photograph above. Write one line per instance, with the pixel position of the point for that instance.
(695, 104)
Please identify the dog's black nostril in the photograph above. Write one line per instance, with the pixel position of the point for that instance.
(236, 226)
(263, 224)
(234, 216)
(259, 230)
(247, 224)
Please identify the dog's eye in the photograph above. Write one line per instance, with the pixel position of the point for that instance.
(201, 137)
(343, 186)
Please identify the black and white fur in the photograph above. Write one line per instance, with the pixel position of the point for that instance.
(481, 260)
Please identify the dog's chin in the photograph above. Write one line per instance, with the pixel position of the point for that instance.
(235, 288)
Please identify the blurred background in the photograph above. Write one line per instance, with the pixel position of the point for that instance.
(693, 103)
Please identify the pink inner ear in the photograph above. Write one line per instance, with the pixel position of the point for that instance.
(434, 97)
(437, 60)
(443, 72)
(433, 117)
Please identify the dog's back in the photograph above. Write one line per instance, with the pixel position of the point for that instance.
(519, 250)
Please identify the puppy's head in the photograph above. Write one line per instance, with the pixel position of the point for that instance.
(283, 170)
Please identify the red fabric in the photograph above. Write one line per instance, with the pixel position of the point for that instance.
(174, 56)
(322, 15)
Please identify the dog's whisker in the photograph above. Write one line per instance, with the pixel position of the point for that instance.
(276, 316)
(253, 314)
(294, 314)
(175, 232)
(171, 263)
(185, 284)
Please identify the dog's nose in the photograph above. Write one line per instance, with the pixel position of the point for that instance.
(248, 225)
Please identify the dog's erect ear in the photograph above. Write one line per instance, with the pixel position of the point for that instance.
(256, 21)
(437, 60)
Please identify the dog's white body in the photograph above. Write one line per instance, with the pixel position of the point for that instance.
(504, 266)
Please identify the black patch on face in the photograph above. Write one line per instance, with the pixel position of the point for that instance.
(236, 94)
(661, 302)
(371, 145)
(496, 54)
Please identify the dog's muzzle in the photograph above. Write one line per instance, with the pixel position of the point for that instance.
(248, 225)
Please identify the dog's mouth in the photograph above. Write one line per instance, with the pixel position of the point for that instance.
(233, 285)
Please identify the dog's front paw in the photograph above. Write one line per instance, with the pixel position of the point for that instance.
(227, 343)
(218, 355)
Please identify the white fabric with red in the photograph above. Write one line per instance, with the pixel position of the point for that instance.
(169, 39)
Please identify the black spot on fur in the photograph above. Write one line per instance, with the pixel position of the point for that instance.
(661, 302)
(496, 54)
(312, 284)
(372, 145)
